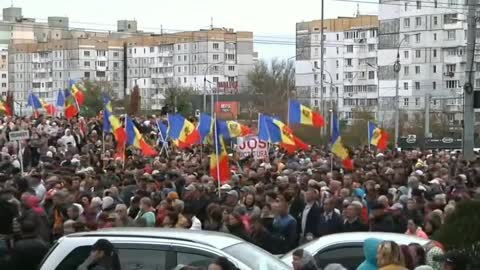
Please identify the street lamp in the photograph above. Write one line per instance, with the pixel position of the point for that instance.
(205, 88)
(332, 109)
(396, 69)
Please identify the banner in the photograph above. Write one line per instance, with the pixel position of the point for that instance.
(252, 146)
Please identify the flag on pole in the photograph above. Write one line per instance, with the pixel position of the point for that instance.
(377, 136)
(182, 131)
(71, 107)
(219, 164)
(162, 131)
(205, 127)
(300, 114)
(337, 145)
(77, 89)
(5, 108)
(112, 124)
(232, 129)
(280, 133)
(61, 98)
(135, 138)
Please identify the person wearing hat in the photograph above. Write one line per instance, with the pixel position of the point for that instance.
(102, 257)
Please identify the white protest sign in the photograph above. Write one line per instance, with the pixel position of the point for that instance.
(252, 146)
(18, 135)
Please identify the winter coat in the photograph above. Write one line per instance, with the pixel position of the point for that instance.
(370, 247)
(28, 253)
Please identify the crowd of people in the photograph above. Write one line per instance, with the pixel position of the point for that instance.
(73, 181)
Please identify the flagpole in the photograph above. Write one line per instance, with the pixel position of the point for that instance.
(125, 143)
(216, 141)
(368, 135)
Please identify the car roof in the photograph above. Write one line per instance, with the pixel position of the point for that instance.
(358, 237)
(213, 239)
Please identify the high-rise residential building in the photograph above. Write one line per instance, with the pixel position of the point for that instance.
(205, 60)
(430, 39)
(350, 65)
(45, 68)
(43, 56)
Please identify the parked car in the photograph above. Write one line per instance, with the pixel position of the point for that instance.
(143, 248)
(347, 248)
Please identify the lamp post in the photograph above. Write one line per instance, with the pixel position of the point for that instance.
(205, 89)
(322, 107)
(396, 69)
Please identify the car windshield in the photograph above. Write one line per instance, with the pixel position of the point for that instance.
(255, 258)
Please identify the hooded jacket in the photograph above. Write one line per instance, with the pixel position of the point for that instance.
(370, 247)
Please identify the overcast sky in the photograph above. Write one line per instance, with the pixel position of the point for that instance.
(270, 20)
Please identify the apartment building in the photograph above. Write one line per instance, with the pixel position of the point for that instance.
(214, 60)
(430, 38)
(350, 64)
(3, 73)
(44, 68)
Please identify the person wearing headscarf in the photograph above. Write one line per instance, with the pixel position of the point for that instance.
(370, 247)
(68, 139)
(303, 260)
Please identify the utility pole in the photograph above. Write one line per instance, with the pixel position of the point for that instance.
(468, 113)
(427, 115)
(322, 104)
(396, 69)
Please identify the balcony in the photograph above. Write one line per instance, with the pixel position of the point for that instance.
(101, 68)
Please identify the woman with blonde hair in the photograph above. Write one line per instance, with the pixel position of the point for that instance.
(389, 256)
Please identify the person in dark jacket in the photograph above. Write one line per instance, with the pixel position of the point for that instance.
(284, 227)
(352, 222)
(235, 226)
(399, 219)
(302, 260)
(261, 236)
(102, 257)
(28, 252)
(309, 228)
(330, 221)
(380, 221)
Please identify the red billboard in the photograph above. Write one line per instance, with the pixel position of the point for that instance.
(227, 109)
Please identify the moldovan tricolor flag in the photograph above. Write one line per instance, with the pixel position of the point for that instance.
(300, 114)
(377, 136)
(135, 138)
(337, 145)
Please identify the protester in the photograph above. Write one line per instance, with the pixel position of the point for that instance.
(102, 257)
(302, 260)
(370, 248)
(390, 256)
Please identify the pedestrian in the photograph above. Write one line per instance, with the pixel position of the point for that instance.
(389, 256)
(413, 229)
(370, 248)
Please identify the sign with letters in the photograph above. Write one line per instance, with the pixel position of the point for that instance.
(252, 146)
(18, 135)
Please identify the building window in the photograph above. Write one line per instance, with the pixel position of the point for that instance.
(417, 38)
(336, 63)
(115, 54)
(338, 37)
(350, 48)
(435, 3)
(451, 84)
(184, 79)
(450, 34)
(405, 86)
(86, 53)
(418, 21)
(86, 75)
(338, 51)
(451, 68)
(371, 47)
(215, 68)
(417, 69)
(434, 52)
(434, 69)
(215, 79)
(435, 20)
(405, 102)
(179, 47)
(417, 101)
(406, 6)
(405, 54)
(179, 58)
(371, 75)
(450, 18)
(349, 62)
(4, 76)
(406, 22)
(405, 70)
(315, 53)
(86, 63)
(185, 58)
(417, 85)
(231, 68)
(315, 64)
(419, 4)
(336, 76)
(434, 85)
(231, 57)
(434, 36)
(152, 49)
(216, 46)
(418, 53)
(215, 57)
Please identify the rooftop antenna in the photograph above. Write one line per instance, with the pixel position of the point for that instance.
(161, 29)
(358, 9)
(11, 2)
(211, 23)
